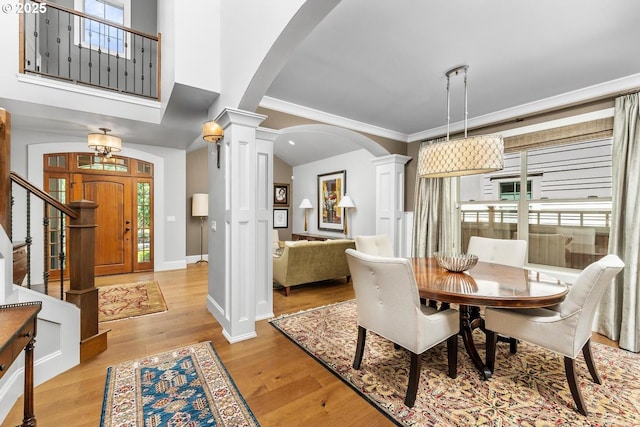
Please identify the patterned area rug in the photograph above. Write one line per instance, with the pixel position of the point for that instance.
(186, 387)
(117, 302)
(527, 389)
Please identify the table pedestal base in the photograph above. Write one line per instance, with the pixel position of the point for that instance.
(469, 320)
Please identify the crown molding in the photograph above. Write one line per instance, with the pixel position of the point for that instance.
(328, 118)
(608, 89)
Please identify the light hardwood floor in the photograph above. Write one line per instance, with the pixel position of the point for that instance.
(281, 383)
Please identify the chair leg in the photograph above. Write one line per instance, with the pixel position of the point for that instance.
(362, 337)
(491, 349)
(570, 370)
(287, 289)
(513, 345)
(414, 377)
(452, 354)
(588, 357)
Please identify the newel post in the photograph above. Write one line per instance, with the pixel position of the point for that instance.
(82, 243)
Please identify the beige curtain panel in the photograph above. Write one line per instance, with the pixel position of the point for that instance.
(619, 316)
(432, 229)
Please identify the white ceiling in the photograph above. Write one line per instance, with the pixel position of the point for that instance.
(379, 66)
(382, 63)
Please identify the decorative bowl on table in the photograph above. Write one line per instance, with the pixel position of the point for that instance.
(455, 261)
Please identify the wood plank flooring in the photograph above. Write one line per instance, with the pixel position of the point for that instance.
(282, 384)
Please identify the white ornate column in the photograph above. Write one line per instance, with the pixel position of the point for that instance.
(390, 174)
(265, 139)
(234, 239)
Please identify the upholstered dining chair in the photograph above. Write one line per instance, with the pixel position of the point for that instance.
(388, 305)
(564, 328)
(500, 251)
(375, 245)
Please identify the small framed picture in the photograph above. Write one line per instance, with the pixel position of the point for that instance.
(281, 218)
(280, 194)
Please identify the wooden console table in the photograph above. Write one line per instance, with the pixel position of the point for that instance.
(17, 331)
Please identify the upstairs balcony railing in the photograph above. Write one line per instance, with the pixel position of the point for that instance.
(62, 43)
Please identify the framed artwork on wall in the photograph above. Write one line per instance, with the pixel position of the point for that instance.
(331, 189)
(280, 194)
(281, 218)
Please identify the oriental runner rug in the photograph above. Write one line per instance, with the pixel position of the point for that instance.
(117, 302)
(527, 389)
(186, 387)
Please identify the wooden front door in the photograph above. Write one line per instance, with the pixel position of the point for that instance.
(114, 235)
(123, 189)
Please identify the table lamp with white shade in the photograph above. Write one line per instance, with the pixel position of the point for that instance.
(305, 204)
(200, 207)
(346, 203)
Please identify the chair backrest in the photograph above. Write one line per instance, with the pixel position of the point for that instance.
(276, 239)
(585, 294)
(386, 295)
(375, 245)
(499, 251)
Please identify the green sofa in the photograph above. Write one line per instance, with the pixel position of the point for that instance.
(311, 261)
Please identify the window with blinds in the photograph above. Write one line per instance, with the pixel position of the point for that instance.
(565, 215)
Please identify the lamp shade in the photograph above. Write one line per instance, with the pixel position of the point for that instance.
(346, 202)
(211, 131)
(305, 204)
(103, 142)
(200, 204)
(465, 156)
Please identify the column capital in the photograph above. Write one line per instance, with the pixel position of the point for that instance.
(234, 116)
(391, 158)
(267, 134)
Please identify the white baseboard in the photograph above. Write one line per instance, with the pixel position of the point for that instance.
(170, 265)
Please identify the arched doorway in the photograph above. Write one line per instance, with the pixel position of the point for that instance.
(123, 189)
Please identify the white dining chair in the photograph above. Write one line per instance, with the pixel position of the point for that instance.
(375, 245)
(499, 251)
(564, 328)
(388, 305)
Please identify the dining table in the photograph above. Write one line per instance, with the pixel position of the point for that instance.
(484, 285)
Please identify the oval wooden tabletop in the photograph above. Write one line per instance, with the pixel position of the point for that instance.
(487, 284)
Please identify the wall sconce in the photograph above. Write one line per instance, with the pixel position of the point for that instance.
(104, 144)
(305, 204)
(212, 132)
(346, 203)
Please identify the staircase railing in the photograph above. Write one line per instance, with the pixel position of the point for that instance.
(82, 224)
(50, 203)
(63, 43)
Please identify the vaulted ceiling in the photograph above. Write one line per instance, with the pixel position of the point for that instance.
(382, 63)
(378, 66)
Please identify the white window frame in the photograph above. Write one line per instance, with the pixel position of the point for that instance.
(79, 30)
